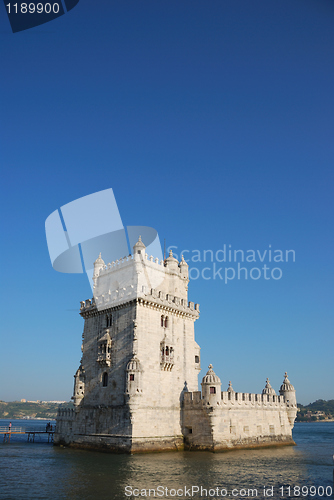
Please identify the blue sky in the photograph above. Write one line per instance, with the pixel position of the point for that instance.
(213, 123)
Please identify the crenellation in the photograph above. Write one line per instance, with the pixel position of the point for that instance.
(240, 399)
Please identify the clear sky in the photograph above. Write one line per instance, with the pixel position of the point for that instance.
(213, 123)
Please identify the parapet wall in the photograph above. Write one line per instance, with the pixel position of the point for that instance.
(236, 398)
(125, 294)
(236, 420)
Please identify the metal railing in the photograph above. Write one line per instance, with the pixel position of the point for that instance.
(5, 429)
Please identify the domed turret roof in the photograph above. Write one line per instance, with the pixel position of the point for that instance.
(268, 389)
(170, 258)
(133, 365)
(286, 386)
(230, 388)
(99, 261)
(183, 262)
(139, 244)
(211, 377)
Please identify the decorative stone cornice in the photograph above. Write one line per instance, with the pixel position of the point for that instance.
(168, 307)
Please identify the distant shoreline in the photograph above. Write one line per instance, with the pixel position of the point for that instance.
(314, 421)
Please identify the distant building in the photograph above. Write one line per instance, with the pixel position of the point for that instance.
(137, 385)
(53, 402)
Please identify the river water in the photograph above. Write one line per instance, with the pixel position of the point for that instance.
(36, 471)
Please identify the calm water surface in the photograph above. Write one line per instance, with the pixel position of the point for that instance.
(36, 471)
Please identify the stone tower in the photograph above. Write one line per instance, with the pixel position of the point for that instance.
(136, 387)
(139, 356)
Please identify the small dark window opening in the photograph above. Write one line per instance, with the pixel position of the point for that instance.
(167, 351)
(162, 321)
(190, 430)
(105, 379)
(132, 376)
(196, 359)
(212, 390)
(109, 320)
(166, 322)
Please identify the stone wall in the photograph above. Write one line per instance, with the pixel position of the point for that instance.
(237, 420)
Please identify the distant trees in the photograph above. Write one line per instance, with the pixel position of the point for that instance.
(318, 410)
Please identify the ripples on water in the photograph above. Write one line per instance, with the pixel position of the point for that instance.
(36, 471)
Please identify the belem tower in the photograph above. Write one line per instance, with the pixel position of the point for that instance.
(137, 385)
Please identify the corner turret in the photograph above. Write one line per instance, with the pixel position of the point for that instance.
(98, 264)
(172, 264)
(79, 386)
(211, 388)
(133, 380)
(184, 269)
(139, 249)
(288, 391)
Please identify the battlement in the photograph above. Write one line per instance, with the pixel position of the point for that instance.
(137, 275)
(129, 293)
(236, 399)
(112, 266)
(66, 413)
(120, 263)
(169, 299)
(162, 265)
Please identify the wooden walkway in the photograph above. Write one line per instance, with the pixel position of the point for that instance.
(7, 433)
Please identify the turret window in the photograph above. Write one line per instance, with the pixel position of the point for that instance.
(105, 379)
(132, 377)
(212, 390)
(164, 321)
(196, 359)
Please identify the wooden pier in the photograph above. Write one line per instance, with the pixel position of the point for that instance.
(8, 432)
(32, 434)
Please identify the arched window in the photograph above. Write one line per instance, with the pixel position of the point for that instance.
(196, 359)
(105, 379)
(109, 320)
